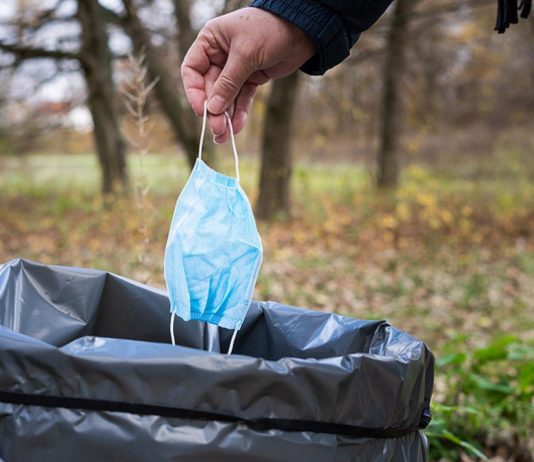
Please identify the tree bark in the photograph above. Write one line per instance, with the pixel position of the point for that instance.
(276, 163)
(182, 120)
(96, 66)
(388, 155)
(185, 33)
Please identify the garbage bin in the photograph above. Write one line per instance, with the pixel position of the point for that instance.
(88, 374)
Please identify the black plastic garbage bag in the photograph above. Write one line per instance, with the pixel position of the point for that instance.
(87, 374)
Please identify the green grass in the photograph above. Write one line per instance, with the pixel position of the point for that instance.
(44, 174)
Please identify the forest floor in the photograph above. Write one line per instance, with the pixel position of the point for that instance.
(448, 257)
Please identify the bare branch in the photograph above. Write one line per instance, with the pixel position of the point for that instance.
(40, 18)
(112, 16)
(27, 52)
(34, 26)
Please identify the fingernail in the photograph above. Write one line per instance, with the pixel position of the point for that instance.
(216, 104)
(215, 140)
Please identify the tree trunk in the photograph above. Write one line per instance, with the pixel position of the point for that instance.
(427, 105)
(231, 5)
(182, 120)
(96, 66)
(185, 33)
(388, 161)
(276, 164)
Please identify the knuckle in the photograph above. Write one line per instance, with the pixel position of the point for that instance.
(209, 31)
(184, 69)
(186, 73)
(210, 24)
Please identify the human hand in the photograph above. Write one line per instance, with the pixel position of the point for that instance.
(232, 55)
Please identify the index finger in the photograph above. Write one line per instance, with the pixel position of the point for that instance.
(195, 65)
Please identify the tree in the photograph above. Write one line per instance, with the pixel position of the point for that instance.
(276, 161)
(185, 33)
(388, 154)
(94, 57)
(182, 120)
(96, 66)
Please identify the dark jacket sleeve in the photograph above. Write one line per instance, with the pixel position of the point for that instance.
(334, 25)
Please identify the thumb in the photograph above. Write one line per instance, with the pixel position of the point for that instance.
(235, 73)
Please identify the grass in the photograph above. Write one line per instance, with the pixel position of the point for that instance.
(456, 250)
(448, 257)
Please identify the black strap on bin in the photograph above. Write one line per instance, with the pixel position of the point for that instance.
(261, 424)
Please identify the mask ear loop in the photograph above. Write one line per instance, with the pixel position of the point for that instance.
(203, 130)
(173, 314)
(236, 159)
(234, 147)
(232, 138)
(232, 341)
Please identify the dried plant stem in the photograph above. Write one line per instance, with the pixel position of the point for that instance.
(136, 91)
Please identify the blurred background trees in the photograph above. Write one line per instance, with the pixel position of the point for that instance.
(276, 158)
(86, 43)
(392, 74)
(425, 70)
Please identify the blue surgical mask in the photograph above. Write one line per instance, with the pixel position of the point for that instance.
(214, 252)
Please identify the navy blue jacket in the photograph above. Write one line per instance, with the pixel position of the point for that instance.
(334, 25)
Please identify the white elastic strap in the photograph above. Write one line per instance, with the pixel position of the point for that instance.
(173, 314)
(232, 138)
(231, 347)
(203, 131)
(234, 147)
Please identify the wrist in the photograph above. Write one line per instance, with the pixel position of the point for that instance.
(322, 25)
(305, 44)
